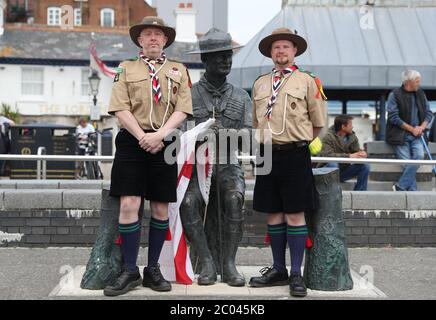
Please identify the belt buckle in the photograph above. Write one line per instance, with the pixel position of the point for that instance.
(300, 144)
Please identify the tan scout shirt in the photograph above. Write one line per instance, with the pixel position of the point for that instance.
(131, 91)
(305, 108)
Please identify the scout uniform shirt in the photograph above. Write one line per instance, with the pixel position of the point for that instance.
(305, 108)
(131, 91)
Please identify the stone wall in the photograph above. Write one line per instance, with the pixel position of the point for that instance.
(70, 217)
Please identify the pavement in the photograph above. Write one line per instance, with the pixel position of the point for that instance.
(380, 274)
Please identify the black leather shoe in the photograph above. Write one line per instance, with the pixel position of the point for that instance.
(154, 279)
(297, 287)
(270, 277)
(127, 280)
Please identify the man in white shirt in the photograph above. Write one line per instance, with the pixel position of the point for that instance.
(82, 131)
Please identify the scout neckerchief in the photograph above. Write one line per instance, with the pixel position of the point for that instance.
(153, 73)
(277, 81)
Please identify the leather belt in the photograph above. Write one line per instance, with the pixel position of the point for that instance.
(289, 146)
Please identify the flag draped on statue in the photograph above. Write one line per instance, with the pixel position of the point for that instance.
(175, 263)
(97, 64)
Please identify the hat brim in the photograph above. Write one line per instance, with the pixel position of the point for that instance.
(136, 30)
(215, 50)
(266, 43)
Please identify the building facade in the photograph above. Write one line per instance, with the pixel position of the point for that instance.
(389, 3)
(44, 74)
(104, 13)
(44, 68)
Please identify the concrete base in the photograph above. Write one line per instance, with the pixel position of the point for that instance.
(69, 286)
(387, 185)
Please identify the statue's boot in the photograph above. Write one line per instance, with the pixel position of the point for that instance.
(197, 238)
(207, 274)
(232, 237)
(194, 231)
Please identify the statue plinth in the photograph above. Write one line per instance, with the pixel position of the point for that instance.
(326, 264)
(105, 262)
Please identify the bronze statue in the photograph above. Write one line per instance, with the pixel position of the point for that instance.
(215, 242)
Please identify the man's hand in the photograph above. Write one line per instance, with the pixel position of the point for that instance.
(157, 149)
(151, 141)
(360, 154)
(417, 131)
(363, 154)
(215, 128)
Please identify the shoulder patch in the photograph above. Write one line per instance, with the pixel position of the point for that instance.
(119, 69)
(189, 76)
(189, 79)
(318, 84)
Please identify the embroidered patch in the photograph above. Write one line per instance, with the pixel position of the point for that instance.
(293, 105)
(174, 90)
(175, 71)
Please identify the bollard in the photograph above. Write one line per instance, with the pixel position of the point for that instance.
(105, 262)
(326, 263)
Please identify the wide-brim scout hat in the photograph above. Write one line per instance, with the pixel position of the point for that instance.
(215, 40)
(155, 22)
(282, 34)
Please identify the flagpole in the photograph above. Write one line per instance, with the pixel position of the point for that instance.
(204, 225)
(221, 260)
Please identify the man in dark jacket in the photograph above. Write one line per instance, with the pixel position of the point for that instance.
(340, 141)
(408, 116)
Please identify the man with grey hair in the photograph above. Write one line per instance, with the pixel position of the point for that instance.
(408, 116)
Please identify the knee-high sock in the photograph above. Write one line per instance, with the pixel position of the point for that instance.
(277, 234)
(130, 238)
(297, 243)
(156, 239)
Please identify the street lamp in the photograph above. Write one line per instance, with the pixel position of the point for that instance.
(94, 83)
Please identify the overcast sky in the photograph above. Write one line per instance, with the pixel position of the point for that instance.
(247, 17)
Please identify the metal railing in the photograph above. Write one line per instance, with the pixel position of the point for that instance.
(34, 157)
(359, 160)
(247, 158)
(42, 159)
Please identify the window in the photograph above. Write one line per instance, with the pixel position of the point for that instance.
(77, 17)
(54, 16)
(32, 81)
(107, 17)
(85, 89)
